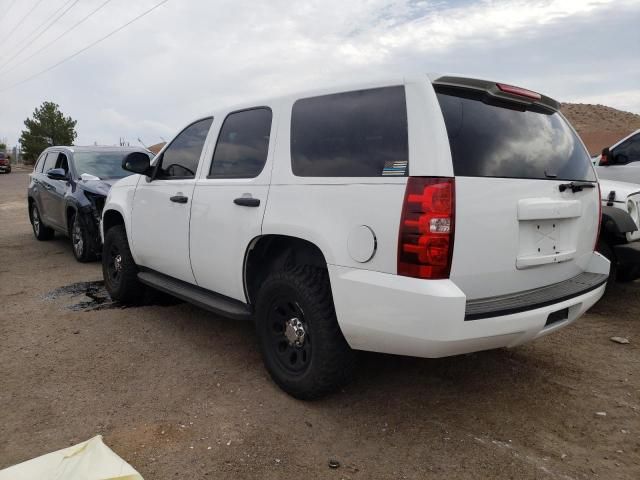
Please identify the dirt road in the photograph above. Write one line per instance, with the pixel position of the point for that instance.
(180, 393)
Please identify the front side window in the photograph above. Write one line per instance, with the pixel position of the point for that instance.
(354, 134)
(50, 162)
(181, 157)
(243, 144)
(628, 151)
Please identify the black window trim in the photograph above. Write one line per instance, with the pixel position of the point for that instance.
(212, 177)
(160, 157)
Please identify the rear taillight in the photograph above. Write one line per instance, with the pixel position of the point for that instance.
(595, 245)
(425, 240)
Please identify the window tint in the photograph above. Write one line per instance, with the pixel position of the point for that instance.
(243, 143)
(628, 151)
(497, 141)
(180, 159)
(50, 161)
(354, 134)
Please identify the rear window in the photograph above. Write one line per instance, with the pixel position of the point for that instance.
(354, 134)
(498, 141)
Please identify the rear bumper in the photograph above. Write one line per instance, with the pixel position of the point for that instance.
(426, 318)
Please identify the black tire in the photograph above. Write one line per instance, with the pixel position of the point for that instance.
(606, 250)
(320, 363)
(82, 242)
(628, 274)
(40, 230)
(118, 268)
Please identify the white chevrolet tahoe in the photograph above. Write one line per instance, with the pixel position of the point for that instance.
(426, 216)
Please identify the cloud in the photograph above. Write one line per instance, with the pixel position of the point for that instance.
(187, 58)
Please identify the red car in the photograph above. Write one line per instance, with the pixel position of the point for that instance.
(5, 163)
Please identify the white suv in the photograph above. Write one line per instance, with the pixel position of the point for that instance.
(424, 216)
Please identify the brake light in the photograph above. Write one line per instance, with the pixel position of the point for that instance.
(425, 239)
(595, 244)
(521, 92)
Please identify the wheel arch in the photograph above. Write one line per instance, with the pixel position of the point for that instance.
(266, 253)
(616, 221)
(111, 218)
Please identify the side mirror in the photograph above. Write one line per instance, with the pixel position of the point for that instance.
(605, 158)
(57, 174)
(137, 162)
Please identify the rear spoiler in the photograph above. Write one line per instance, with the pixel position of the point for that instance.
(497, 91)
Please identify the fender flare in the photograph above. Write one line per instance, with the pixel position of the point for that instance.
(617, 221)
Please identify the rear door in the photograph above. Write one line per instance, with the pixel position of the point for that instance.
(230, 198)
(162, 205)
(518, 223)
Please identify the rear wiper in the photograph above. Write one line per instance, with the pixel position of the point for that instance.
(575, 186)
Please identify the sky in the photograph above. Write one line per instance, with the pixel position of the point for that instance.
(186, 58)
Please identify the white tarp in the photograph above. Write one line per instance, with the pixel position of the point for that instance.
(90, 460)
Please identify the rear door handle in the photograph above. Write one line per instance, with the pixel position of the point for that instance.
(179, 199)
(247, 202)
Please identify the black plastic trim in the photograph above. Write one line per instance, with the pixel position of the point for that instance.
(617, 221)
(198, 296)
(536, 298)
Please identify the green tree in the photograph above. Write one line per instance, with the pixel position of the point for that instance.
(3, 147)
(47, 127)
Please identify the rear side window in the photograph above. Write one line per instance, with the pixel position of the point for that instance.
(498, 141)
(353, 134)
(180, 159)
(243, 144)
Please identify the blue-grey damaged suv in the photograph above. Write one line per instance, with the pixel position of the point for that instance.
(67, 191)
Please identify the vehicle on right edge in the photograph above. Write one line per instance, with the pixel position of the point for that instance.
(425, 216)
(619, 234)
(621, 161)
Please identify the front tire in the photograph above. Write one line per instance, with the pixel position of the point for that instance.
(40, 230)
(301, 343)
(81, 240)
(119, 270)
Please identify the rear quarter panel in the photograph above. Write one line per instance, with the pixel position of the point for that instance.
(326, 210)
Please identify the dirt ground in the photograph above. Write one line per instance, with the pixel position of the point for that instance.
(180, 393)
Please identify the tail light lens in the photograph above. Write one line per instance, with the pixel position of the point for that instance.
(425, 240)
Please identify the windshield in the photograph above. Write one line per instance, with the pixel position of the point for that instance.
(492, 141)
(105, 165)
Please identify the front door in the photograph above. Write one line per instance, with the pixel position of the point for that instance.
(229, 201)
(162, 205)
(53, 193)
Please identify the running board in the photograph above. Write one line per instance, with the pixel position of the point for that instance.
(214, 302)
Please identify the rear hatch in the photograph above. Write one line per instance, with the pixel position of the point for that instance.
(526, 201)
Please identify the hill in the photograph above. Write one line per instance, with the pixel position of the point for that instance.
(600, 126)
